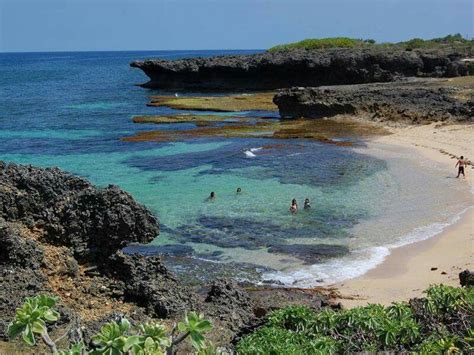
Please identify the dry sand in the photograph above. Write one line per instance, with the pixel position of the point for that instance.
(410, 269)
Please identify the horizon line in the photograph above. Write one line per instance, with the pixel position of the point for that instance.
(131, 50)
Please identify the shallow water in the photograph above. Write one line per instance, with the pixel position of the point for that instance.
(71, 109)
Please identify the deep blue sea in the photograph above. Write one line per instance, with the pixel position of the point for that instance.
(71, 110)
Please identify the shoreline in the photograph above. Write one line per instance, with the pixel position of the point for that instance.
(407, 270)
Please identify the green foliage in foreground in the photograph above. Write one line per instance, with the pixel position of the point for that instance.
(440, 323)
(31, 319)
(455, 40)
(113, 338)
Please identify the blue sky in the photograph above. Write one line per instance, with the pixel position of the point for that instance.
(69, 25)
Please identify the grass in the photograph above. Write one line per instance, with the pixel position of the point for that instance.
(454, 41)
(230, 103)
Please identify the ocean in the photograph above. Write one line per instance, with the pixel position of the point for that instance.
(71, 110)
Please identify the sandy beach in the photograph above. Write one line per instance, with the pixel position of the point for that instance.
(410, 269)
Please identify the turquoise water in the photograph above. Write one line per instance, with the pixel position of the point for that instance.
(71, 109)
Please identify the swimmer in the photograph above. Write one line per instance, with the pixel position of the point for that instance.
(239, 190)
(307, 205)
(211, 197)
(294, 206)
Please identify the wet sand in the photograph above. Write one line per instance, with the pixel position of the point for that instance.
(410, 269)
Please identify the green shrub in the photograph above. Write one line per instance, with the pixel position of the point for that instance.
(447, 300)
(112, 338)
(322, 43)
(295, 318)
(31, 319)
(275, 340)
(415, 43)
(300, 330)
(455, 41)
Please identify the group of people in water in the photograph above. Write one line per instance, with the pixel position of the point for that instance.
(212, 196)
(293, 207)
(307, 205)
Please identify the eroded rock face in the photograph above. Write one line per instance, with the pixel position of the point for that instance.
(93, 222)
(20, 276)
(413, 102)
(61, 235)
(229, 303)
(275, 70)
(147, 282)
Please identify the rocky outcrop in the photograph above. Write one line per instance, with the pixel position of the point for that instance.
(414, 102)
(148, 283)
(20, 275)
(273, 70)
(229, 303)
(61, 235)
(92, 222)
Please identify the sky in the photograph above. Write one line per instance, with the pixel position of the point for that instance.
(83, 25)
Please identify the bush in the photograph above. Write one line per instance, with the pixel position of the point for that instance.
(322, 43)
(455, 40)
(299, 330)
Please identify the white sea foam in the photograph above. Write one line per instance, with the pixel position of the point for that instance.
(250, 153)
(336, 270)
(358, 262)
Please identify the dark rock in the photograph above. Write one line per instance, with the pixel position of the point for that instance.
(466, 278)
(268, 299)
(229, 303)
(310, 253)
(168, 250)
(300, 68)
(148, 283)
(18, 251)
(92, 222)
(415, 102)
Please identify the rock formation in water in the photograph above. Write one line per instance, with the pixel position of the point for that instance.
(413, 102)
(273, 70)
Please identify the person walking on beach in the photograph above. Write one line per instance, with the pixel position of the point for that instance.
(307, 205)
(462, 163)
(294, 206)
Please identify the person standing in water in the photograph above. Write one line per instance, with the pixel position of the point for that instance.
(211, 197)
(294, 206)
(239, 190)
(307, 205)
(462, 163)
